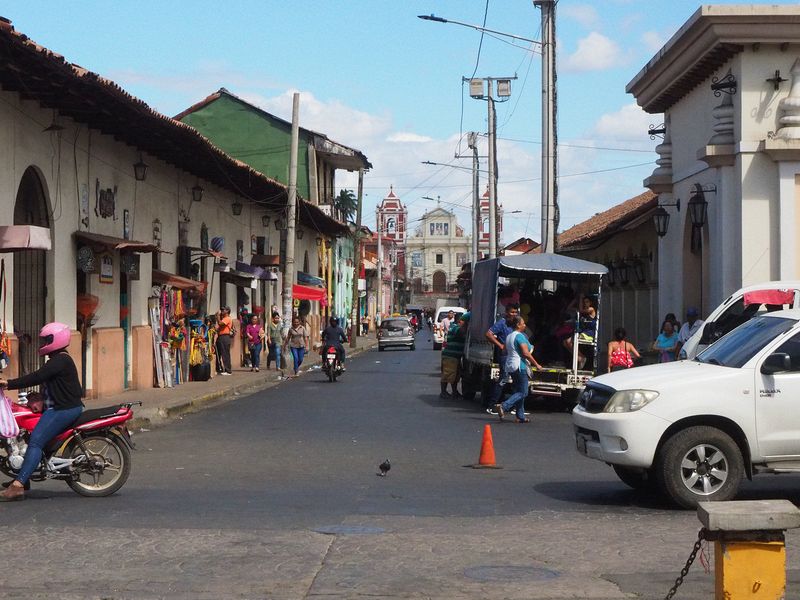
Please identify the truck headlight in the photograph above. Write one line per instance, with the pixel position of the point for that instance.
(629, 400)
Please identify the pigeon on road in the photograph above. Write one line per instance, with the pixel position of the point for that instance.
(384, 467)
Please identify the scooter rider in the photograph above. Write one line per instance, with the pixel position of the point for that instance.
(62, 391)
(333, 335)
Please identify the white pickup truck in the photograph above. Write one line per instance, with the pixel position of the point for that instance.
(697, 427)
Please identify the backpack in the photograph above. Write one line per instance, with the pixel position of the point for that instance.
(620, 357)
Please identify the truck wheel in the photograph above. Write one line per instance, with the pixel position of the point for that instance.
(700, 464)
(638, 479)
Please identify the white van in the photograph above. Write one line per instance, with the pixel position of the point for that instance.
(439, 334)
(742, 306)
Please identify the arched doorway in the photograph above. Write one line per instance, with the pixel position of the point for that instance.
(30, 272)
(439, 282)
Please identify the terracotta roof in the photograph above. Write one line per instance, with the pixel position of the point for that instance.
(607, 222)
(39, 74)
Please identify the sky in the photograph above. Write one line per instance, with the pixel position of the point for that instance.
(373, 76)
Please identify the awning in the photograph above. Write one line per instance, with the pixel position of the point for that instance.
(256, 272)
(178, 282)
(205, 252)
(239, 278)
(15, 238)
(310, 280)
(114, 243)
(304, 292)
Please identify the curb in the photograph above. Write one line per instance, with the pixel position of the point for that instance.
(165, 414)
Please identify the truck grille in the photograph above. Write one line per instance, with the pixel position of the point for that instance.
(594, 397)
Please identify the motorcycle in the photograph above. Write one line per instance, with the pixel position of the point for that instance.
(331, 364)
(92, 456)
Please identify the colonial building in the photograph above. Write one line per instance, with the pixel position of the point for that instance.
(728, 85)
(139, 207)
(436, 252)
(262, 140)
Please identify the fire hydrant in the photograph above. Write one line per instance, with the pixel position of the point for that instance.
(749, 546)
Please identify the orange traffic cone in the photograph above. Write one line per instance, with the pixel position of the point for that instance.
(487, 460)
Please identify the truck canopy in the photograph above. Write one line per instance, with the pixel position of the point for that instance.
(549, 267)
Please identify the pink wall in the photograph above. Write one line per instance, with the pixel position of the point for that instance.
(108, 369)
(142, 357)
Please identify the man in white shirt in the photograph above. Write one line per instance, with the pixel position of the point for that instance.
(688, 329)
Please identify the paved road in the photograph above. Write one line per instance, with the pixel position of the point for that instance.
(275, 496)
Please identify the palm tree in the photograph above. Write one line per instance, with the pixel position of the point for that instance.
(346, 203)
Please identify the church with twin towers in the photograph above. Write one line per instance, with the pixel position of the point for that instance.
(434, 246)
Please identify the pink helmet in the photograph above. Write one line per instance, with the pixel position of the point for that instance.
(54, 336)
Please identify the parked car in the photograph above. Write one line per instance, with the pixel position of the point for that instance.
(439, 334)
(740, 306)
(696, 427)
(396, 331)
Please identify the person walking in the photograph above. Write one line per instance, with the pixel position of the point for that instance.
(518, 353)
(620, 351)
(225, 335)
(274, 342)
(497, 335)
(451, 357)
(297, 340)
(254, 334)
(666, 343)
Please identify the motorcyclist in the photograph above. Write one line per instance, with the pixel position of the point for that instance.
(62, 393)
(333, 335)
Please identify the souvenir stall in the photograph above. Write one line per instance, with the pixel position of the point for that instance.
(173, 303)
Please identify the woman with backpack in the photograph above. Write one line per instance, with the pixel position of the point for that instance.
(620, 351)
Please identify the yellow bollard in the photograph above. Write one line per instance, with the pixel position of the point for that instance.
(749, 546)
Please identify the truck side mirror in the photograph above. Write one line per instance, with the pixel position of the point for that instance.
(776, 363)
(710, 333)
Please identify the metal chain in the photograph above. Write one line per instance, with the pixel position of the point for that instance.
(701, 535)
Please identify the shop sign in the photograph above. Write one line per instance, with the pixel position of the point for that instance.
(203, 237)
(240, 250)
(253, 244)
(106, 268)
(126, 224)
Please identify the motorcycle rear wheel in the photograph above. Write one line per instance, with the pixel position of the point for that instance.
(107, 470)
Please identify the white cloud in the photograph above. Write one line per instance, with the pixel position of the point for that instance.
(629, 123)
(584, 14)
(406, 137)
(654, 40)
(595, 52)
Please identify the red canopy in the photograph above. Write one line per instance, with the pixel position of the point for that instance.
(773, 296)
(305, 292)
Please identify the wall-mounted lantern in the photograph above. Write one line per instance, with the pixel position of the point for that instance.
(140, 169)
(236, 208)
(197, 193)
(265, 220)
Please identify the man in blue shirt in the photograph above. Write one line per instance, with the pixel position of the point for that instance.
(497, 335)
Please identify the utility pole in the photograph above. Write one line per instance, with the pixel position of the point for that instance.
(354, 312)
(291, 215)
(492, 178)
(472, 143)
(379, 299)
(476, 90)
(549, 137)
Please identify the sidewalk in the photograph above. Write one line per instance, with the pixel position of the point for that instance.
(159, 405)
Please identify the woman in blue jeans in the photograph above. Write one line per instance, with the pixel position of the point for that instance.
(62, 400)
(297, 338)
(518, 351)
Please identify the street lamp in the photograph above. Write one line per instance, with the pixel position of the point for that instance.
(140, 169)
(661, 219)
(698, 207)
(197, 193)
(265, 220)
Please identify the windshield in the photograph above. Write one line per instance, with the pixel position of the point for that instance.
(744, 342)
(394, 324)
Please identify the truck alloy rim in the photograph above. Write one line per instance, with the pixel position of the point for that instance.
(704, 469)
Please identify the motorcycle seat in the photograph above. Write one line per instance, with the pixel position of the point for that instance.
(96, 413)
